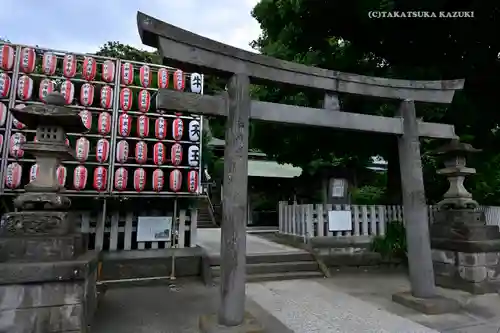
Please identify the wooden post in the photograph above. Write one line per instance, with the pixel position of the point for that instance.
(234, 203)
(330, 102)
(414, 205)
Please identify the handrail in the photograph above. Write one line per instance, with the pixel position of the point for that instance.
(211, 209)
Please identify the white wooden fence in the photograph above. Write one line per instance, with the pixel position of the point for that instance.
(118, 230)
(312, 220)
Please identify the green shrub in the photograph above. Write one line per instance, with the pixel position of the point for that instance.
(392, 245)
(367, 195)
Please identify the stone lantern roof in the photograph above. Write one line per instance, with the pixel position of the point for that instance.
(456, 148)
(53, 113)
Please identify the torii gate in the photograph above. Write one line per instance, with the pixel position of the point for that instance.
(193, 52)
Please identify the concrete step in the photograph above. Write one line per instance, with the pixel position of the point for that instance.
(278, 276)
(292, 256)
(206, 226)
(275, 267)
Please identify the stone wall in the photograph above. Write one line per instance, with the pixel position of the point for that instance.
(477, 273)
(47, 307)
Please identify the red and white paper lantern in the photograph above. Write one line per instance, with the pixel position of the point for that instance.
(162, 78)
(68, 91)
(28, 59)
(24, 87)
(15, 145)
(124, 125)
(192, 181)
(158, 180)
(3, 114)
(160, 128)
(142, 126)
(104, 123)
(47, 86)
(121, 179)
(89, 68)
(61, 174)
(122, 151)
(126, 98)
(145, 76)
(176, 154)
(177, 129)
(49, 63)
(34, 170)
(4, 85)
(102, 150)
(144, 100)
(127, 76)
(13, 175)
(179, 80)
(100, 178)
(175, 180)
(86, 117)
(80, 175)
(82, 149)
(106, 100)
(141, 152)
(159, 153)
(87, 94)
(139, 179)
(17, 124)
(108, 71)
(69, 65)
(6, 57)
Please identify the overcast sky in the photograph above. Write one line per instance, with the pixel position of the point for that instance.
(83, 26)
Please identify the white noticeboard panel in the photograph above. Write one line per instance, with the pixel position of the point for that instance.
(338, 188)
(339, 220)
(154, 228)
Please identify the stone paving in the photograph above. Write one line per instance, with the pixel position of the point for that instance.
(166, 308)
(209, 239)
(480, 314)
(306, 306)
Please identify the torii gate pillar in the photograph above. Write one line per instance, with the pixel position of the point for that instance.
(234, 203)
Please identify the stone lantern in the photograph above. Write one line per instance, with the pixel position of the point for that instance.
(47, 276)
(465, 250)
(454, 155)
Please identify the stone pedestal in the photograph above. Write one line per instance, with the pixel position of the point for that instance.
(52, 296)
(465, 251)
(47, 277)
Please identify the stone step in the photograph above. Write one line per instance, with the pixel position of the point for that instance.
(292, 256)
(278, 276)
(275, 267)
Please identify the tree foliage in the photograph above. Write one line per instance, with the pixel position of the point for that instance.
(339, 35)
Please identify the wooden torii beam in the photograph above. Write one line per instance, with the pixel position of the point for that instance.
(196, 53)
(300, 115)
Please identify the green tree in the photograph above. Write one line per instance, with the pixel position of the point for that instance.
(339, 35)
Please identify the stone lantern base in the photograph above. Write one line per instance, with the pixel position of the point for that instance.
(465, 251)
(47, 278)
